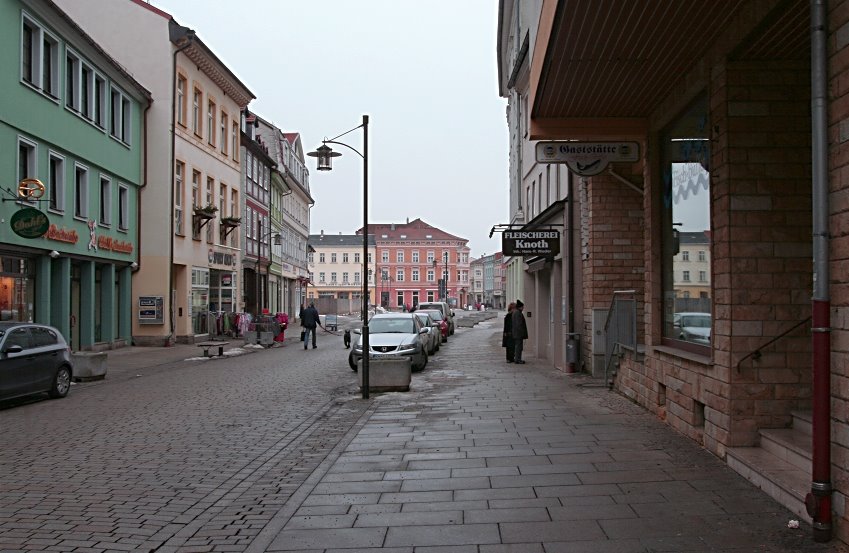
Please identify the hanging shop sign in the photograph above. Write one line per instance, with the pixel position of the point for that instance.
(587, 158)
(530, 242)
(29, 223)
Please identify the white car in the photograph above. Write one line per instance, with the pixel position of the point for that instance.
(692, 327)
(393, 335)
(435, 333)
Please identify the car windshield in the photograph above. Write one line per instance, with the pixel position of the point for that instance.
(422, 317)
(391, 326)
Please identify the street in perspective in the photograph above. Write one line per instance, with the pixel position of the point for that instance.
(274, 449)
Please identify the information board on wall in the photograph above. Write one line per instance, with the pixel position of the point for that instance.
(150, 310)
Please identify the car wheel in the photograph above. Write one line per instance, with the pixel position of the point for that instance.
(61, 383)
(424, 362)
(351, 362)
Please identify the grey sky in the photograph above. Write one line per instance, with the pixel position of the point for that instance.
(425, 73)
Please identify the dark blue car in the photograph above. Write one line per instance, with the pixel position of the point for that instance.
(34, 359)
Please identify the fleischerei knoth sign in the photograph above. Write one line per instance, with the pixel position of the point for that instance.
(530, 242)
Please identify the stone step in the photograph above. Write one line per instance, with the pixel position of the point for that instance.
(781, 480)
(790, 445)
(803, 421)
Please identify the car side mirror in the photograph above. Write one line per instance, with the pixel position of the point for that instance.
(424, 331)
(14, 349)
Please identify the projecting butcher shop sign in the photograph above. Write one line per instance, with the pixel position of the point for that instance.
(531, 242)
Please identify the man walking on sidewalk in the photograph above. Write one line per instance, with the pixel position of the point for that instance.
(520, 332)
(309, 320)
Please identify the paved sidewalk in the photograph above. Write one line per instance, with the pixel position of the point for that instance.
(488, 457)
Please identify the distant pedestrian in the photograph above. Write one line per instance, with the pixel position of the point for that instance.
(519, 329)
(310, 320)
(507, 337)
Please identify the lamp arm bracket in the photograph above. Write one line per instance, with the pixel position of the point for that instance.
(343, 144)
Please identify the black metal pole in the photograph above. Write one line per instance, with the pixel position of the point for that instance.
(365, 259)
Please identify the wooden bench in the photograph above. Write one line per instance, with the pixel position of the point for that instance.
(211, 344)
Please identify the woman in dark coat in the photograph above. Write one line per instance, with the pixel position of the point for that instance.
(507, 337)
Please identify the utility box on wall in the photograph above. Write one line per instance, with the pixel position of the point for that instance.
(598, 341)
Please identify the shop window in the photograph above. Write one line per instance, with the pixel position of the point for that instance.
(685, 158)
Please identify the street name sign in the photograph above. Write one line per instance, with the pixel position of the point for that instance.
(531, 243)
(587, 158)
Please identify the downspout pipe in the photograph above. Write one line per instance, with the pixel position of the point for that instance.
(189, 36)
(570, 233)
(818, 501)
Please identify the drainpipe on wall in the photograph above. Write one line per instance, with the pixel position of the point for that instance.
(570, 233)
(818, 501)
(189, 37)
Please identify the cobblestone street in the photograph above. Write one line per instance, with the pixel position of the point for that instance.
(276, 451)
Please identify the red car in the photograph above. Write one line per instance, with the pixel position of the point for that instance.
(436, 315)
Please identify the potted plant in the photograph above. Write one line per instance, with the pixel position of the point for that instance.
(206, 212)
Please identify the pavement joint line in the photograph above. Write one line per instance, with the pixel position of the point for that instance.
(273, 527)
(219, 498)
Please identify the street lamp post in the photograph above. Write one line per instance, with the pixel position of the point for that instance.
(325, 157)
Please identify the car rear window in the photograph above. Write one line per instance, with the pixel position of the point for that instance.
(43, 337)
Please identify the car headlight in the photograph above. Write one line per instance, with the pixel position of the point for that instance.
(407, 347)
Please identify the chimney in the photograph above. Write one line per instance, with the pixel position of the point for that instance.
(392, 226)
(322, 232)
(408, 220)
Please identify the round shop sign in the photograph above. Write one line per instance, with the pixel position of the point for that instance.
(29, 223)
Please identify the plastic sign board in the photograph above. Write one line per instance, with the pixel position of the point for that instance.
(531, 243)
(587, 158)
(29, 223)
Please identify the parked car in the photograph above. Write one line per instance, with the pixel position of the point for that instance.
(34, 359)
(692, 327)
(436, 315)
(393, 335)
(435, 331)
(447, 313)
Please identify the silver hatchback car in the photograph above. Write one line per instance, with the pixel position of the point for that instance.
(393, 335)
(34, 358)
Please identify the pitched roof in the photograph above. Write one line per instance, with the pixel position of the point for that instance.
(413, 230)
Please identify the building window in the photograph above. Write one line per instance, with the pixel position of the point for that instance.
(105, 201)
(179, 171)
(210, 123)
(197, 124)
(39, 58)
(121, 116)
(321, 258)
(234, 140)
(333, 258)
(123, 207)
(431, 276)
(26, 159)
(702, 256)
(399, 256)
(182, 86)
(100, 101)
(56, 183)
(344, 278)
(399, 275)
(384, 256)
(344, 258)
(223, 133)
(702, 276)
(414, 276)
(400, 298)
(431, 256)
(72, 81)
(685, 255)
(415, 257)
(333, 278)
(685, 159)
(321, 277)
(356, 258)
(357, 277)
(311, 257)
(80, 192)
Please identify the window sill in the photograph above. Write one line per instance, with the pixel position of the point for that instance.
(683, 354)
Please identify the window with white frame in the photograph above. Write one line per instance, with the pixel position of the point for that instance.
(384, 256)
(26, 159)
(333, 277)
(344, 278)
(121, 115)
(321, 276)
(86, 90)
(685, 255)
(234, 140)
(702, 276)
(430, 275)
(56, 182)
(179, 171)
(400, 298)
(123, 207)
(39, 57)
(210, 123)
(399, 275)
(415, 255)
(414, 275)
(197, 125)
(356, 277)
(182, 86)
(430, 256)
(321, 258)
(686, 276)
(702, 256)
(80, 191)
(223, 132)
(356, 258)
(99, 101)
(105, 201)
(399, 256)
(72, 80)
(333, 258)
(344, 258)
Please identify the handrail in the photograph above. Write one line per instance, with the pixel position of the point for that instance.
(756, 354)
(610, 348)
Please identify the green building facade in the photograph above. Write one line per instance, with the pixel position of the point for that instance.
(71, 163)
